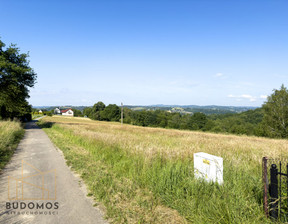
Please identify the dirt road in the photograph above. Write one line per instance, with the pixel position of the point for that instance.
(38, 187)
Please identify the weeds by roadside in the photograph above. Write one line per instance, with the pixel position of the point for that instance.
(11, 133)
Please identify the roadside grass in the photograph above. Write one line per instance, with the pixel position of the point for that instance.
(10, 134)
(34, 116)
(145, 175)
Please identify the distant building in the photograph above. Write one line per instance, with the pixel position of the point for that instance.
(57, 111)
(40, 112)
(67, 112)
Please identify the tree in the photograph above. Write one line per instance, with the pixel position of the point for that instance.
(77, 113)
(96, 109)
(276, 113)
(127, 115)
(174, 121)
(162, 118)
(197, 121)
(98, 106)
(111, 113)
(87, 111)
(15, 77)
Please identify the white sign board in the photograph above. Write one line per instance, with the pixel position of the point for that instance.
(208, 167)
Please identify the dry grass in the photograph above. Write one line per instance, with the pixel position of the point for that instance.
(128, 203)
(10, 134)
(147, 173)
(175, 143)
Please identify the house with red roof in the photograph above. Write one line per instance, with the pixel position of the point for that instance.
(67, 112)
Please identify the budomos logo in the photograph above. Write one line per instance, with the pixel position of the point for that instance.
(33, 184)
(26, 191)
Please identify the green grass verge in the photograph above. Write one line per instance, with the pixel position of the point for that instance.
(132, 187)
(11, 133)
(34, 116)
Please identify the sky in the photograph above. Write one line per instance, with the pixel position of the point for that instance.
(146, 52)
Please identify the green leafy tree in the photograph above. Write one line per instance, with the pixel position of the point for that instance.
(111, 113)
(77, 113)
(162, 118)
(210, 124)
(87, 111)
(127, 115)
(184, 121)
(96, 110)
(48, 113)
(197, 121)
(16, 76)
(276, 113)
(174, 121)
(98, 106)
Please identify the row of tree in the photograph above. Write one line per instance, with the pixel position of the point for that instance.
(102, 113)
(242, 123)
(270, 121)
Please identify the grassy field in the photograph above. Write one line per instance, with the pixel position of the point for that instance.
(145, 175)
(10, 134)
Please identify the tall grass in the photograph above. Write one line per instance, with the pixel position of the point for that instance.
(10, 134)
(145, 175)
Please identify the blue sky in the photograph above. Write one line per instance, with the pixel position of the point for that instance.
(203, 52)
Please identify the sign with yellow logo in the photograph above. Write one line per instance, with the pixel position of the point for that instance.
(208, 167)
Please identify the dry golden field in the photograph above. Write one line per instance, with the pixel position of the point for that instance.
(144, 173)
(175, 143)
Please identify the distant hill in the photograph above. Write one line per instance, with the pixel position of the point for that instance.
(183, 109)
(210, 109)
(47, 108)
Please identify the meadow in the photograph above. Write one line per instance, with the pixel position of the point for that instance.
(145, 175)
(10, 134)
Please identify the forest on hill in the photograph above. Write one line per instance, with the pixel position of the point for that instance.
(188, 109)
(271, 120)
(213, 119)
(247, 122)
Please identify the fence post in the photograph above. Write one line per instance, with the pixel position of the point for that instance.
(287, 180)
(274, 191)
(265, 186)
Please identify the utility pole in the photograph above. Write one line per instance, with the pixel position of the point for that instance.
(121, 114)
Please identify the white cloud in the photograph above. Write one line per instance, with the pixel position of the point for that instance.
(263, 97)
(246, 97)
(219, 74)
